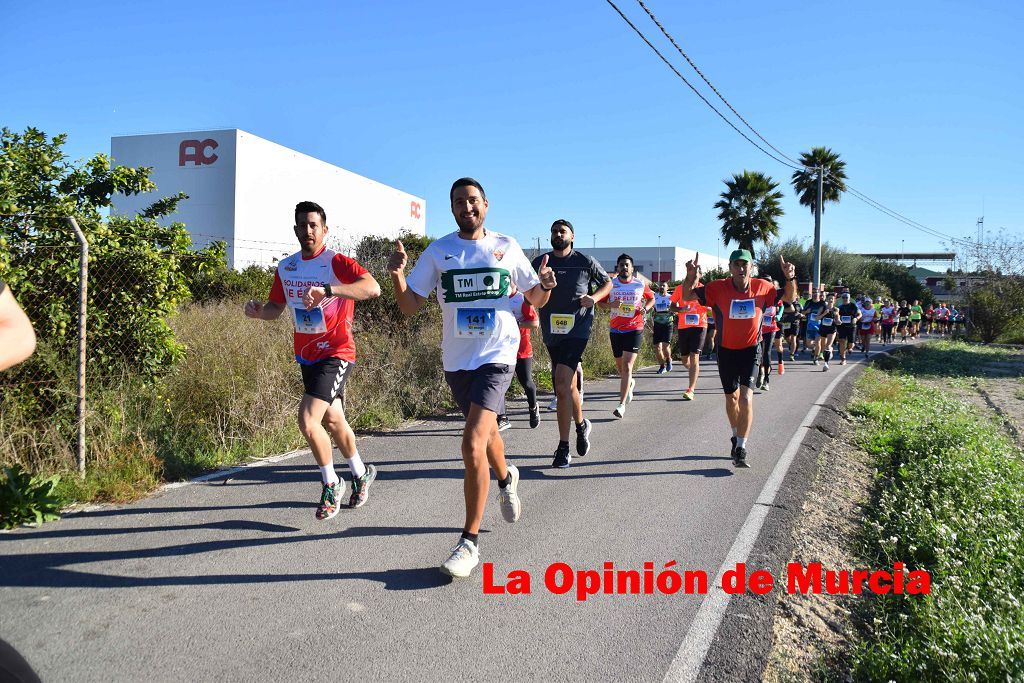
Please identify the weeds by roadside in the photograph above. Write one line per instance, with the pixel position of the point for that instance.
(949, 499)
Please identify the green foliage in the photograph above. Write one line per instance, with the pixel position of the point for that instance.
(805, 182)
(997, 306)
(26, 499)
(209, 279)
(749, 209)
(136, 266)
(951, 488)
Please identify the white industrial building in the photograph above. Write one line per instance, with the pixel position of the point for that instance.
(658, 264)
(243, 190)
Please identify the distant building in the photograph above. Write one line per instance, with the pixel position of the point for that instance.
(243, 190)
(658, 264)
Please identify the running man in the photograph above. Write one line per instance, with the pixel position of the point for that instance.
(916, 313)
(828, 328)
(694, 324)
(903, 321)
(867, 325)
(471, 270)
(527, 319)
(790, 324)
(630, 299)
(565, 322)
(663, 319)
(812, 311)
(849, 316)
(769, 330)
(739, 302)
(319, 288)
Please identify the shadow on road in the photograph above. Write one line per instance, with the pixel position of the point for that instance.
(51, 570)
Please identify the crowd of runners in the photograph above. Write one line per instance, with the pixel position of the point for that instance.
(491, 298)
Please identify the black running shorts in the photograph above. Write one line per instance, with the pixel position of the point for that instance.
(623, 342)
(485, 386)
(846, 332)
(662, 333)
(326, 379)
(567, 352)
(738, 368)
(691, 340)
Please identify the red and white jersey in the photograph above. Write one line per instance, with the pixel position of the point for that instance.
(525, 313)
(627, 302)
(324, 331)
(769, 320)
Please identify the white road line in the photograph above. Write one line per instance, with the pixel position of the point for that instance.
(694, 648)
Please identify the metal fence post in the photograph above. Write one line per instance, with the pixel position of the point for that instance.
(83, 293)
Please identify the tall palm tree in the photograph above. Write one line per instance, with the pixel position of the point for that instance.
(805, 181)
(749, 209)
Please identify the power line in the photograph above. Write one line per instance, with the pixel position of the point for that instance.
(713, 88)
(697, 92)
(789, 162)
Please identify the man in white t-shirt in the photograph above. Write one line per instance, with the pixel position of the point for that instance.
(471, 270)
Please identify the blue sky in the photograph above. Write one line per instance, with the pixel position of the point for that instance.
(558, 108)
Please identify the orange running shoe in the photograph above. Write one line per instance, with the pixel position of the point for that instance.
(782, 368)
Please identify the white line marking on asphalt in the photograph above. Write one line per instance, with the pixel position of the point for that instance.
(219, 474)
(694, 648)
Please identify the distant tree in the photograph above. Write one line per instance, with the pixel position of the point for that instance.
(749, 210)
(805, 181)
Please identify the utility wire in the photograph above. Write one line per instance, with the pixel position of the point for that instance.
(697, 92)
(714, 89)
(786, 160)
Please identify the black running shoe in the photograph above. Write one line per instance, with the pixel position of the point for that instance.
(534, 417)
(583, 438)
(740, 457)
(562, 457)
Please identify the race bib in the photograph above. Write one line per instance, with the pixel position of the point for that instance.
(845, 319)
(865, 326)
(826, 322)
(691, 319)
(562, 323)
(474, 323)
(811, 317)
(786, 326)
(767, 320)
(627, 309)
(742, 309)
(309, 322)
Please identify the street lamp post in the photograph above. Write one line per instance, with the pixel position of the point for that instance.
(659, 258)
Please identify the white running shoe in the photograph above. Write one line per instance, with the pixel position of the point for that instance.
(465, 556)
(553, 406)
(825, 367)
(620, 410)
(508, 499)
(629, 392)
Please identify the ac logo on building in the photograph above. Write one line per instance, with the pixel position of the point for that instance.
(415, 210)
(199, 152)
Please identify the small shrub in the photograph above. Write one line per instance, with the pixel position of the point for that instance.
(27, 499)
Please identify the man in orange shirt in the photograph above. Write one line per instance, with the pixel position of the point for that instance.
(693, 326)
(738, 303)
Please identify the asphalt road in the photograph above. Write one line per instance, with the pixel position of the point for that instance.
(236, 580)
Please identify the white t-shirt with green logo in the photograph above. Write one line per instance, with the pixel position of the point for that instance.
(472, 280)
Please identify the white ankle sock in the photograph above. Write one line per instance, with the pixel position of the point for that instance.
(328, 475)
(355, 463)
(734, 432)
(741, 441)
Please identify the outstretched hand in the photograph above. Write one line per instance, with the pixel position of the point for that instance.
(396, 264)
(693, 267)
(788, 269)
(546, 274)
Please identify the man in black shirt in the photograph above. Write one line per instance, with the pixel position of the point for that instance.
(565, 322)
(849, 314)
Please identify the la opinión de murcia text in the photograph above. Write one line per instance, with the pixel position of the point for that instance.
(562, 579)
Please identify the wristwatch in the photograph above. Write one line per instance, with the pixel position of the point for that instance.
(327, 291)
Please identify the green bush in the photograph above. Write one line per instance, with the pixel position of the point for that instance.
(26, 499)
(951, 491)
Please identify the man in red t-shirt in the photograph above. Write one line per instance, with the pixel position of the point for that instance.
(318, 287)
(528, 320)
(738, 302)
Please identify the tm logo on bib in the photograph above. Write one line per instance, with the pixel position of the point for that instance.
(742, 309)
(473, 284)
